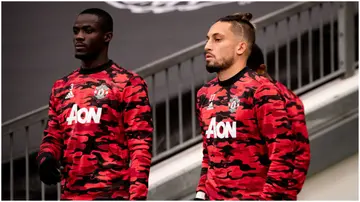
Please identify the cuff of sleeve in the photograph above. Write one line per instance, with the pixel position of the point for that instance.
(200, 195)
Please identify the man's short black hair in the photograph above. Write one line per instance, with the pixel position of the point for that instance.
(106, 19)
(256, 57)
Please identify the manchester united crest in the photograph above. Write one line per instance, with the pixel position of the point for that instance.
(234, 103)
(101, 91)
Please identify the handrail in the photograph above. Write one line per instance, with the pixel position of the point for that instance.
(32, 116)
(172, 59)
(198, 48)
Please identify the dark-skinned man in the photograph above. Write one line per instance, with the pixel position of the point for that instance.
(100, 128)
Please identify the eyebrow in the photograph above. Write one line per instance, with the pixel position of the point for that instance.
(214, 35)
(82, 27)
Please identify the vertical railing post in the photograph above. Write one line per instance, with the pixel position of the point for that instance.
(27, 172)
(58, 190)
(346, 38)
(42, 184)
(11, 166)
(193, 99)
(153, 90)
(167, 109)
(180, 108)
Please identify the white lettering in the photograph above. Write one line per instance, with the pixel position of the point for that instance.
(211, 129)
(72, 117)
(83, 115)
(95, 115)
(82, 118)
(231, 129)
(221, 129)
(221, 133)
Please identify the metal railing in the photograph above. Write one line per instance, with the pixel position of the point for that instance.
(174, 80)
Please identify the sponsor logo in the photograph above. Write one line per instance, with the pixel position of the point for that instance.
(221, 129)
(84, 115)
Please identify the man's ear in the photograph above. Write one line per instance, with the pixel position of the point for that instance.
(107, 37)
(241, 48)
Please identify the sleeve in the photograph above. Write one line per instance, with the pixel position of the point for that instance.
(138, 130)
(275, 127)
(302, 152)
(205, 160)
(52, 142)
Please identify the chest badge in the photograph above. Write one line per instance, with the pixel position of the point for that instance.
(101, 91)
(234, 103)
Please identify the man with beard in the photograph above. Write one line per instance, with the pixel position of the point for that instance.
(248, 147)
(100, 126)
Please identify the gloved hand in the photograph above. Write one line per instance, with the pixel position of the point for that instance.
(49, 169)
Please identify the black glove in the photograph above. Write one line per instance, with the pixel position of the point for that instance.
(49, 169)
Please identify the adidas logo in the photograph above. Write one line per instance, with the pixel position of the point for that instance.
(211, 105)
(69, 95)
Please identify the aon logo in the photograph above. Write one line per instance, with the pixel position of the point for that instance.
(83, 115)
(221, 129)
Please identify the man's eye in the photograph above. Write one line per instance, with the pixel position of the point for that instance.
(89, 31)
(75, 31)
(217, 40)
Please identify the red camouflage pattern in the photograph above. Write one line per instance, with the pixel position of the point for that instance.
(257, 164)
(296, 112)
(106, 160)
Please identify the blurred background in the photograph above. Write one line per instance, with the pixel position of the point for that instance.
(312, 47)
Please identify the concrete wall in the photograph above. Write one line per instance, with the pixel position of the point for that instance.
(338, 182)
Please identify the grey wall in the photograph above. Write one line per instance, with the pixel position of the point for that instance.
(37, 47)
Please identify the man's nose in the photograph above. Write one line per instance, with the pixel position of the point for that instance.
(207, 46)
(80, 36)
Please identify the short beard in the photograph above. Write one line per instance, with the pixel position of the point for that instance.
(213, 69)
(216, 68)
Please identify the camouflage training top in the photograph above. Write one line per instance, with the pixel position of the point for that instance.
(100, 129)
(248, 144)
(296, 114)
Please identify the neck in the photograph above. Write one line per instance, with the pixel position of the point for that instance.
(232, 70)
(100, 60)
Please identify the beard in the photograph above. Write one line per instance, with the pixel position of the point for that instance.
(217, 67)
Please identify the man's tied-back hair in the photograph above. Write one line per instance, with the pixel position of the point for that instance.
(242, 26)
(256, 58)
